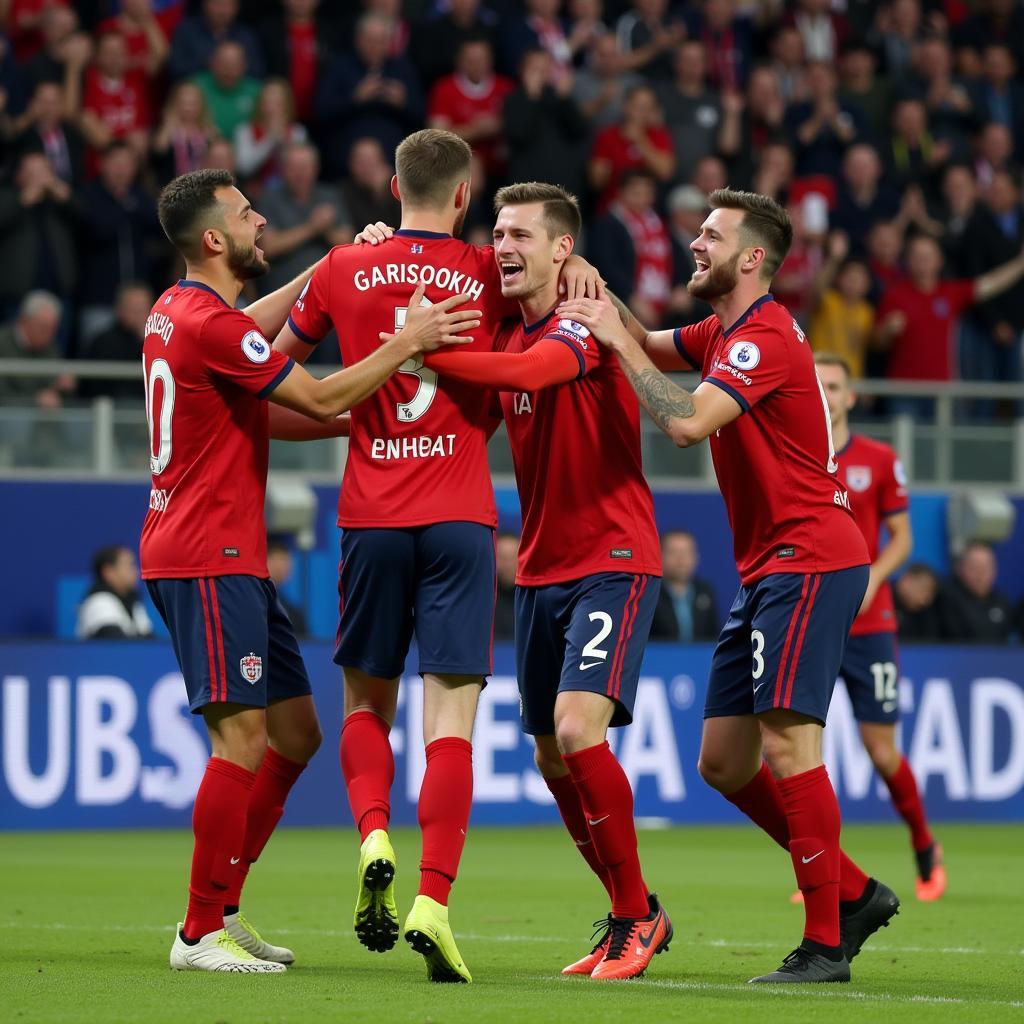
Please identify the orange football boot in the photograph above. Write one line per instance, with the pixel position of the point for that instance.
(931, 880)
(603, 928)
(633, 942)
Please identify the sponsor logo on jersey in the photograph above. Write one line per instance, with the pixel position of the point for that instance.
(785, 553)
(729, 368)
(251, 667)
(423, 447)
(229, 552)
(521, 403)
(842, 499)
(416, 248)
(256, 347)
(858, 478)
(744, 355)
(620, 553)
(158, 500)
(444, 278)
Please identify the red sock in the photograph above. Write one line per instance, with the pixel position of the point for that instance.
(907, 800)
(218, 823)
(567, 797)
(446, 798)
(761, 801)
(273, 782)
(608, 805)
(368, 766)
(812, 812)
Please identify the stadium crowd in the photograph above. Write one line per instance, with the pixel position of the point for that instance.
(893, 132)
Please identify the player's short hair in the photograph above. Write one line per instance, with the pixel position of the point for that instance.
(188, 204)
(677, 531)
(764, 221)
(833, 359)
(105, 558)
(561, 208)
(430, 164)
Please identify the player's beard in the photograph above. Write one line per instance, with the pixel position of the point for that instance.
(243, 261)
(720, 281)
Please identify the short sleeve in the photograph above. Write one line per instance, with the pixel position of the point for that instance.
(310, 318)
(892, 490)
(692, 342)
(753, 363)
(234, 349)
(578, 339)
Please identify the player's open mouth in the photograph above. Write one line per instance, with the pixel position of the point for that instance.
(509, 271)
(700, 264)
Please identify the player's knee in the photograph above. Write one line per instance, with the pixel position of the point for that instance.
(714, 772)
(575, 733)
(246, 748)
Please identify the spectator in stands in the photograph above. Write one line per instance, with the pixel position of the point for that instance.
(787, 62)
(260, 142)
(947, 101)
(900, 26)
(973, 611)
(916, 316)
(38, 217)
(113, 609)
(646, 36)
(297, 42)
(436, 40)
(821, 126)
(63, 55)
(862, 87)
(821, 29)
(885, 252)
(639, 141)
(121, 342)
(33, 335)
(842, 318)
(993, 152)
(48, 131)
(693, 113)
(774, 172)
(631, 246)
(185, 133)
(25, 22)
(469, 103)
(507, 552)
(913, 154)
(280, 567)
(367, 92)
(999, 95)
(916, 596)
(729, 40)
(600, 86)
(229, 91)
(543, 126)
(687, 209)
(686, 610)
(793, 285)
(220, 154)
(304, 218)
(761, 123)
(120, 223)
(538, 28)
(366, 191)
(863, 197)
(147, 45)
(1000, 21)
(200, 35)
(115, 101)
(585, 27)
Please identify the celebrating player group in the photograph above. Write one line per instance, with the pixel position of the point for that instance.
(432, 331)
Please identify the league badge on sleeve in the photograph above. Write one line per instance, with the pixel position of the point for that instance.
(251, 667)
(573, 331)
(744, 355)
(256, 347)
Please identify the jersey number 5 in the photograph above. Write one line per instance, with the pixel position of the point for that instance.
(159, 370)
(426, 386)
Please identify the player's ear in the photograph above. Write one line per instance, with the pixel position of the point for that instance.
(564, 247)
(462, 195)
(212, 243)
(754, 258)
(394, 187)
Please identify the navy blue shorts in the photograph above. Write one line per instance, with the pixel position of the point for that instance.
(589, 634)
(782, 644)
(871, 672)
(234, 641)
(437, 582)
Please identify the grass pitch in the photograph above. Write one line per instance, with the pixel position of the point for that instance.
(86, 924)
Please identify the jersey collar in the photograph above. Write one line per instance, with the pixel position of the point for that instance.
(409, 233)
(202, 287)
(849, 441)
(538, 324)
(758, 303)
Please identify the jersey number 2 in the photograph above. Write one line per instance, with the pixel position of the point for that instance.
(159, 370)
(426, 378)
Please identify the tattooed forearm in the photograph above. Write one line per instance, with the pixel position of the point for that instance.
(664, 400)
(624, 314)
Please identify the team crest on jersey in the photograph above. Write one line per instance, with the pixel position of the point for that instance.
(251, 667)
(744, 355)
(416, 248)
(858, 478)
(256, 347)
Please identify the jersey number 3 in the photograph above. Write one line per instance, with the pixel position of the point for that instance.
(426, 379)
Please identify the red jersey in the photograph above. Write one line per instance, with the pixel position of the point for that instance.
(877, 486)
(460, 102)
(623, 155)
(207, 369)
(121, 105)
(776, 465)
(417, 450)
(924, 351)
(576, 450)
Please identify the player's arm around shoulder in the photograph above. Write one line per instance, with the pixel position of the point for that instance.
(686, 417)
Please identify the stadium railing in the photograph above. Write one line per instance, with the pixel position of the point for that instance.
(105, 439)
